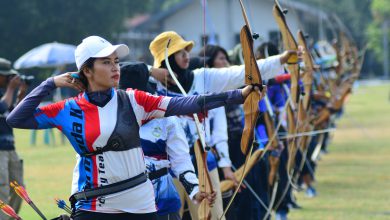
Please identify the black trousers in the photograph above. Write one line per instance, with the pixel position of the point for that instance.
(283, 197)
(245, 205)
(84, 215)
(309, 166)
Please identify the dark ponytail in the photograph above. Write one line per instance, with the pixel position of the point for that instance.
(87, 64)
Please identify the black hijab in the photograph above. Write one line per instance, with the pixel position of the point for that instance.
(185, 76)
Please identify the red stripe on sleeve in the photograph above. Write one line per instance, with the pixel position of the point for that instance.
(51, 110)
(147, 101)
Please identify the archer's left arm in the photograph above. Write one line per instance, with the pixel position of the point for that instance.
(147, 107)
(223, 79)
(200, 103)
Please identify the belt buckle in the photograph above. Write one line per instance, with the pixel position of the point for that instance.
(83, 195)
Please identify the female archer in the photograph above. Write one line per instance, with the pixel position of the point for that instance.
(102, 124)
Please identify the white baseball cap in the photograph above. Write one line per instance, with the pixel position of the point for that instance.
(96, 47)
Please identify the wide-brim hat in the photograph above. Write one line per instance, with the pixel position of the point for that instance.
(6, 68)
(158, 45)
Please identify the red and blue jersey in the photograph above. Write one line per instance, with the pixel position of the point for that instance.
(88, 127)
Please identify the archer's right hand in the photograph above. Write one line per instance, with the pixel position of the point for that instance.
(209, 196)
(66, 80)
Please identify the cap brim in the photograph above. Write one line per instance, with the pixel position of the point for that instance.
(9, 72)
(121, 51)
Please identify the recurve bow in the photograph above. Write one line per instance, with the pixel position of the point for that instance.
(305, 115)
(200, 152)
(307, 80)
(290, 44)
(251, 109)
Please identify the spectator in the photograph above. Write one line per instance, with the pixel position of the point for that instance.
(11, 166)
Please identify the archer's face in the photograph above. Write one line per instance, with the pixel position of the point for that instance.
(220, 60)
(182, 58)
(3, 81)
(105, 73)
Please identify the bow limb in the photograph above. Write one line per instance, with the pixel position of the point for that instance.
(200, 152)
(227, 185)
(289, 44)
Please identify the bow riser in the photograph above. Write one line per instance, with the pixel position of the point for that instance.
(252, 77)
(251, 113)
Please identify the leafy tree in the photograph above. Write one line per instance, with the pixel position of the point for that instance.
(363, 23)
(28, 23)
(381, 13)
(354, 14)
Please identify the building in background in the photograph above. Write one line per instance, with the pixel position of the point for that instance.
(220, 24)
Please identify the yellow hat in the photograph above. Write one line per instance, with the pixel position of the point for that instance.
(158, 45)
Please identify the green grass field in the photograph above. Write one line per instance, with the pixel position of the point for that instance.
(353, 180)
